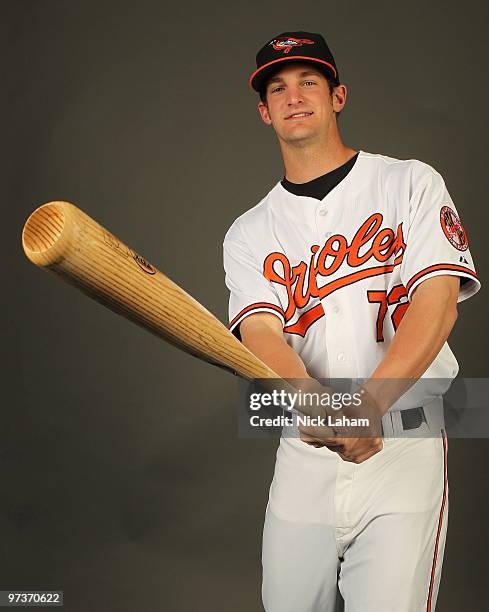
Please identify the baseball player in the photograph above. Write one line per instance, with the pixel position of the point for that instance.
(350, 267)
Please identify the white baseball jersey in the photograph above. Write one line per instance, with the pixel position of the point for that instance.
(340, 272)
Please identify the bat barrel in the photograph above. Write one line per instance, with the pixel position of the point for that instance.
(64, 240)
(45, 232)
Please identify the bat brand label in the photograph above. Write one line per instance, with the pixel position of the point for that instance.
(143, 264)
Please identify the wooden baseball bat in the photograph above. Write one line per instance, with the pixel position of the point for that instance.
(61, 238)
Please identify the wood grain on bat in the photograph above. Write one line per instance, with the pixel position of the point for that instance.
(61, 238)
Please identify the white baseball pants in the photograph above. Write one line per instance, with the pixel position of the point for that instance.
(374, 532)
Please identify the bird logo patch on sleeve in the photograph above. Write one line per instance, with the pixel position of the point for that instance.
(453, 229)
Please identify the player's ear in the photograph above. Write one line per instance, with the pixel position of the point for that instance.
(263, 110)
(339, 97)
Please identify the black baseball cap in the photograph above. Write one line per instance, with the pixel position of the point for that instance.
(305, 46)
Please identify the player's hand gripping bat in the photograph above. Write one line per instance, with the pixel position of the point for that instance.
(61, 238)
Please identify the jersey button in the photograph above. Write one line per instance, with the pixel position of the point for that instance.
(328, 234)
(323, 212)
(341, 357)
(336, 309)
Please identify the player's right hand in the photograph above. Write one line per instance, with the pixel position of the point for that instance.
(352, 443)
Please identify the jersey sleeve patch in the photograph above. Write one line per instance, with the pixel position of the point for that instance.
(453, 229)
(437, 242)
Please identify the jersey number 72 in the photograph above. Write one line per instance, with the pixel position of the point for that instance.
(384, 300)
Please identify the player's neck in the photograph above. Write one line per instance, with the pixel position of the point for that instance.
(305, 163)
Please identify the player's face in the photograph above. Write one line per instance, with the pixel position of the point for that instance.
(300, 106)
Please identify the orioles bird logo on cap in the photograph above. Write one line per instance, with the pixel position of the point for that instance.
(285, 43)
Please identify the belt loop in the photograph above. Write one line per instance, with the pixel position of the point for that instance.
(397, 424)
(435, 416)
(387, 425)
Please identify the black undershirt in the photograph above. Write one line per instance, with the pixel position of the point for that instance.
(320, 187)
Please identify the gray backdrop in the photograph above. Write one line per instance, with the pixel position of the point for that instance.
(123, 480)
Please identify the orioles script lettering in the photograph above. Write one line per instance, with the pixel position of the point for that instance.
(371, 243)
